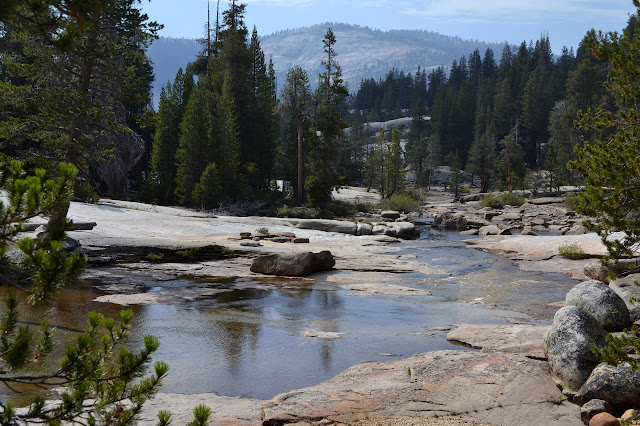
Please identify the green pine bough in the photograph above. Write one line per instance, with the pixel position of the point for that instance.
(103, 381)
(610, 164)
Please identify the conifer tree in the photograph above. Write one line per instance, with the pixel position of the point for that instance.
(324, 153)
(394, 173)
(296, 104)
(192, 154)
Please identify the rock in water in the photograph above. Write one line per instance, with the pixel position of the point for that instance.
(619, 386)
(568, 347)
(293, 264)
(450, 220)
(602, 302)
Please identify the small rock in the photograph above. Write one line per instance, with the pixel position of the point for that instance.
(246, 235)
(593, 407)
(576, 230)
(281, 240)
(251, 244)
(469, 232)
(286, 234)
(293, 264)
(620, 386)
(630, 414)
(604, 419)
(528, 231)
(390, 214)
(489, 230)
(301, 240)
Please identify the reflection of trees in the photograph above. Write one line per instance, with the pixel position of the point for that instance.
(327, 304)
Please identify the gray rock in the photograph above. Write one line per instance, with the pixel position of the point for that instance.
(568, 347)
(450, 220)
(528, 231)
(390, 214)
(293, 264)
(380, 230)
(619, 386)
(546, 200)
(627, 289)
(508, 217)
(405, 230)
(602, 302)
(489, 230)
(505, 231)
(576, 230)
(600, 272)
(339, 226)
(364, 229)
(469, 232)
(593, 407)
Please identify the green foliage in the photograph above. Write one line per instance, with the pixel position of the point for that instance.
(394, 164)
(621, 348)
(301, 213)
(99, 374)
(499, 201)
(610, 162)
(400, 202)
(207, 193)
(510, 162)
(572, 251)
(201, 415)
(262, 230)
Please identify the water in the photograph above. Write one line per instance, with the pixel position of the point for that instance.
(247, 338)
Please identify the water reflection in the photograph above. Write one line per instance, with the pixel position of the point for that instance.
(245, 337)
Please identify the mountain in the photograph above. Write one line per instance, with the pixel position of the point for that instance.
(362, 52)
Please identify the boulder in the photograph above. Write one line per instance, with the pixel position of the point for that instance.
(293, 264)
(364, 229)
(576, 230)
(627, 289)
(546, 200)
(489, 230)
(528, 231)
(339, 226)
(600, 272)
(404, 230)
(390, 214)
(619, 386)
(568, 347)
(604, 419)
(450, 220)
(593, 407)
(602, 302)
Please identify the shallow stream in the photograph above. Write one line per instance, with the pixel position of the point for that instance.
(247, 338)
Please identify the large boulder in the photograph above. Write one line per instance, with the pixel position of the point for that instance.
(450, 220)
(568, 347)
(602, 302)
(619, 386)
(627, 289)
(293, 264)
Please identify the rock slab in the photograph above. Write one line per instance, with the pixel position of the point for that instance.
(495, 388)
(517, 338)
(293, 264)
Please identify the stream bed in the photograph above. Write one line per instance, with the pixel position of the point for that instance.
(251, 338)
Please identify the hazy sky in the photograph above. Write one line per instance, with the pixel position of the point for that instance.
(565, 21)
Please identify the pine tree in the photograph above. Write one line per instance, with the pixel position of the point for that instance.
(296, 104)
(193, 146)
(323, 155)
(610, 160)
(394, 170)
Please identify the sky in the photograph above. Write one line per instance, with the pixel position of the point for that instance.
(564, 21)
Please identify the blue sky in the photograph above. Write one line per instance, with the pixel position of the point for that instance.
(565, 21)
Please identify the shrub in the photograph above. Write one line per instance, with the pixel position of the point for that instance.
(499, 201)
(400, 202)
(302, 213)
(572, 251)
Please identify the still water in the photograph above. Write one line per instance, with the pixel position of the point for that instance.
(248, 337)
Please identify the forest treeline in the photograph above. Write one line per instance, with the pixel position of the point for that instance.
(222, 133)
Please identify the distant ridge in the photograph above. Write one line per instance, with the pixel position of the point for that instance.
(362, 52)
